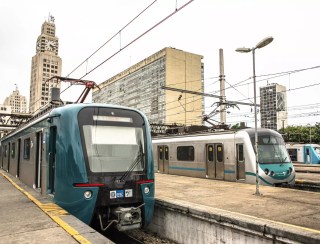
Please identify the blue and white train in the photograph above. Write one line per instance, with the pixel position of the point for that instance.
(226, 155)
(304, 153)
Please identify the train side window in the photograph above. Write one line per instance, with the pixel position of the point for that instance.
(293, 154)
(219, 153)
(13, 150)
(185, 153)
(307, 151)
(26, 149)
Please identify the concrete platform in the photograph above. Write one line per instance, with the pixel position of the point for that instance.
(28, 217)
(279, 212)
(311, 178)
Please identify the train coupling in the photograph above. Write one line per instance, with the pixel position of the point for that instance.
(128, 218)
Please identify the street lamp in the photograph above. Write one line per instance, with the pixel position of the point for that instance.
(261, 44)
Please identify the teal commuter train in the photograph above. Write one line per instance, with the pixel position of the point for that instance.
(94, 160)
(304, 153)
(226, 155)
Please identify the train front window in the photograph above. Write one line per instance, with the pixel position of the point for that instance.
(113, 139)
(271, 149)
(317, 150)
(112, 148)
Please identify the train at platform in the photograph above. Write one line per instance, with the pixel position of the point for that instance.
(93, 160)
(226, 155)
(304, 153)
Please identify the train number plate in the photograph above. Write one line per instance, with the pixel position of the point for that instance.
(121, 193)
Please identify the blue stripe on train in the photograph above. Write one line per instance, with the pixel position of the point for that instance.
(226, 172)
(184, 168)
(253, 174)
(199, 169)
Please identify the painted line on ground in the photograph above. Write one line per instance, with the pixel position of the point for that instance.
(53, 211)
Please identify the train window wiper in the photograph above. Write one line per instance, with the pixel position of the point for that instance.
(283, 160)
(136, 161)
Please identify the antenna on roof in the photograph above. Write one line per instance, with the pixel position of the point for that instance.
(51, 18)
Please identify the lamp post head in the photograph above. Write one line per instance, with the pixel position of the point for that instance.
(243, 50)
(264, 42)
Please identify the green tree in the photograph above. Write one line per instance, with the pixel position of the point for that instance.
(302, 134)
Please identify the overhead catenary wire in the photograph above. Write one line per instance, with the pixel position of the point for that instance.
(117, 33)
(134, 40)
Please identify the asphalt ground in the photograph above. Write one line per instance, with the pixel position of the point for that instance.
(28, 217)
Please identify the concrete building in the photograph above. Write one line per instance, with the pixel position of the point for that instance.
(45, 64)
(17, 102)
(141, 87)
(273, 107)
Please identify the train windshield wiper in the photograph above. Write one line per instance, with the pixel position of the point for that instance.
(283, 160)
(136, 161)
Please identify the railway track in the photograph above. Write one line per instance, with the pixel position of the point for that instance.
(307, 177)
(309, 168)
(138, 236)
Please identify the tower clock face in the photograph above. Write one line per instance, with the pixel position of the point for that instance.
(50, 45)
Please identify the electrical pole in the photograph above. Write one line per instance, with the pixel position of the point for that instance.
(222, 89)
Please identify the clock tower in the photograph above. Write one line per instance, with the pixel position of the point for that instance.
(45, 64)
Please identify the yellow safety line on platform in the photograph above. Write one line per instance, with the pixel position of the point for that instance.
(53, 211)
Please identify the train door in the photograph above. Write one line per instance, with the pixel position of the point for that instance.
(38, 160)
(18, 159)
(241, 169)
(52, 159)
(210, 161)
(163, 159)
(214, 161)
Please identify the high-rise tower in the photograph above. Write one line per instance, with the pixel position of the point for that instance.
(273, 107)
(17, 102)
(45, 64)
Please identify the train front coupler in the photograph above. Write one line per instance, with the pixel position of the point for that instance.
(127, 218)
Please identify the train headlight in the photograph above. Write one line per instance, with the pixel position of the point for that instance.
(87, 194)
(266, 171)
(146, 189)
(272, 173)
(290, 170)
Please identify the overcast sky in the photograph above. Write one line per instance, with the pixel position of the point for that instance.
(202, 27)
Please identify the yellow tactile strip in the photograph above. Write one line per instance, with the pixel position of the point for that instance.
(53, 211)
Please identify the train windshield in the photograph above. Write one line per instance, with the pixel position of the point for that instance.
(317, 150)
(272, 149)
(114, 143)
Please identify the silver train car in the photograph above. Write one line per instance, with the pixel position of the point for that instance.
(226, 155)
